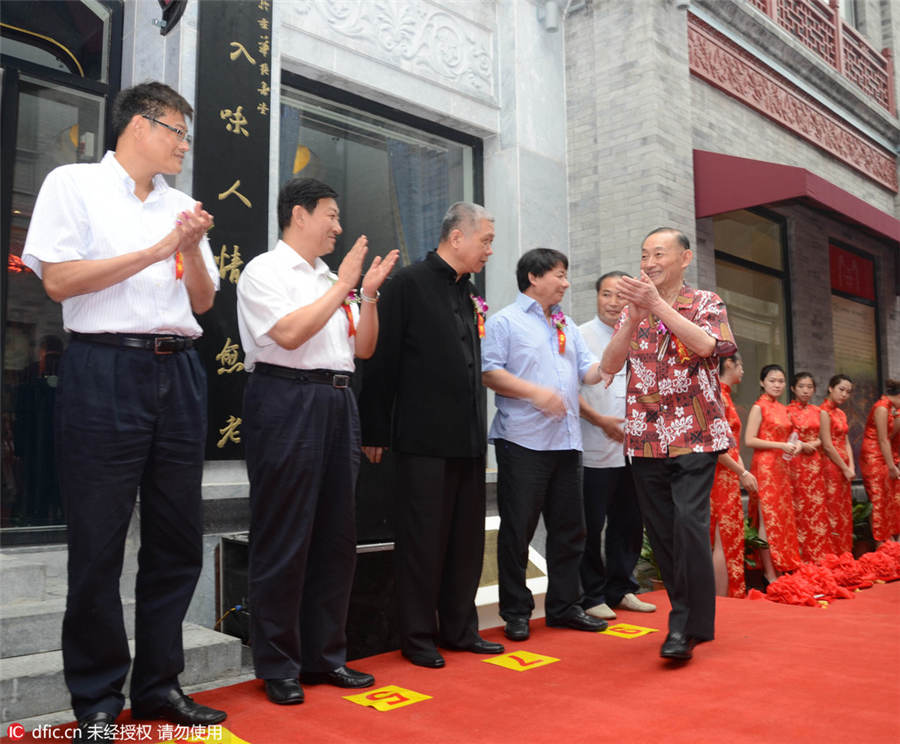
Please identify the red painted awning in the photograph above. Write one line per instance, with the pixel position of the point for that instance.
(724, 183)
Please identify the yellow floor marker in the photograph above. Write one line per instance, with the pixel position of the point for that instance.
(624, 630)
(521, 661)
(390, 697)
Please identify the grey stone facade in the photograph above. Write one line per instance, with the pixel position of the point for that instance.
(636, 113)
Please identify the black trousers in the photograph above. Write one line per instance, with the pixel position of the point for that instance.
(529, 483)
(674, 496)
(303, 447)
(610, 500)
(439, 526)
(128, 419)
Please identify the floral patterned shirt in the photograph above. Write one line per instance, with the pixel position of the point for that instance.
(674, 401)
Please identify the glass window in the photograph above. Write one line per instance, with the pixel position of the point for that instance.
(848, 11)
(70, 37)
(395, 178)
(749, 236)
(395, 182)
(56, 126)
(60, 64)
(855, 331)
(749, 257)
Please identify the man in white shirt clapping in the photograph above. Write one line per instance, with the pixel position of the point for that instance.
(127, 256)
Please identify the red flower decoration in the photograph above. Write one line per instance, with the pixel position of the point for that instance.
(559, 320)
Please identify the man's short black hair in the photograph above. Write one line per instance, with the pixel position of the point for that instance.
(607, 275)
(679, 236)
(303, 191)
(538, 261)
(148, 99)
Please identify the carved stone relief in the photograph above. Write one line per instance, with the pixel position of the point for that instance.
(415, 36)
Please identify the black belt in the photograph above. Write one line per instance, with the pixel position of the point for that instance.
(338, 380)
(151, 342)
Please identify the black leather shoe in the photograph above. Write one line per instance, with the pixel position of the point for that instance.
(578, 619)
(517, 629)
(284, 691)
(179, 708)
(678, 646)
(481, 646)
(96, 728)
(340, 677)
(431, 661)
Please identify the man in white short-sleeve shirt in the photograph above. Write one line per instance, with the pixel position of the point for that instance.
(127, 256)
(610, 502)
(301, 326)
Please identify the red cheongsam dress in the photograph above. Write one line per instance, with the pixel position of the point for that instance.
(726, 511)
(771, 471)
(883, 491)
(808, 486)
(838, 494)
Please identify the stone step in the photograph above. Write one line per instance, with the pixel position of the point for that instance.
(35, 627)
(33, 685)
(62, 717)
(487, 599)
(24, 578)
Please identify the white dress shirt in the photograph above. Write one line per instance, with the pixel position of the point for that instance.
(275, 284)
(599, 450)
(90, 211)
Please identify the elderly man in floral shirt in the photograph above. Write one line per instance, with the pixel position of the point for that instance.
(672, 337)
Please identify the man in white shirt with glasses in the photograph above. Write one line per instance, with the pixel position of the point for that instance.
(127, 256)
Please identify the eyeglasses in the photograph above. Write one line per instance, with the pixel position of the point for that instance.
(180, 133)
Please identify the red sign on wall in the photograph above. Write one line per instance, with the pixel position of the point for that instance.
(852, 273)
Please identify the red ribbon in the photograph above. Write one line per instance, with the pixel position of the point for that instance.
(351, 331)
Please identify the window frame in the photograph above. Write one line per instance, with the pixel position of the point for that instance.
(346, 98)
(784, 274)
(879, 374)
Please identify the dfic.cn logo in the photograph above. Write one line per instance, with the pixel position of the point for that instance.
(15, 731)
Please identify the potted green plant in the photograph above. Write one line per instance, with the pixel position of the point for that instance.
(651, 573)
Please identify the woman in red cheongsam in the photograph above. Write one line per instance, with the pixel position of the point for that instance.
(879, 463)
(806, 472)
(837, 464)
(726, 523)
(768, 433)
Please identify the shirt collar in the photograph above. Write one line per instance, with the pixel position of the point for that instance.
(531, 305)
(601, 327)
(685, 297)
(294, 260)
(109, 161)
(442, 267)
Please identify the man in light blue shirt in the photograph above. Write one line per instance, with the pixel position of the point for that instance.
(534, 358)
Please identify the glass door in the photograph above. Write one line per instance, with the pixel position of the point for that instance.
(55, 125)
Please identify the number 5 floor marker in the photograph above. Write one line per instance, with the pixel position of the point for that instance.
(387, 698)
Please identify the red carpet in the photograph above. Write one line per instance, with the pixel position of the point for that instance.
(775, 673)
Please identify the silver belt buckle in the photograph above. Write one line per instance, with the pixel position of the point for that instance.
(340, 381)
